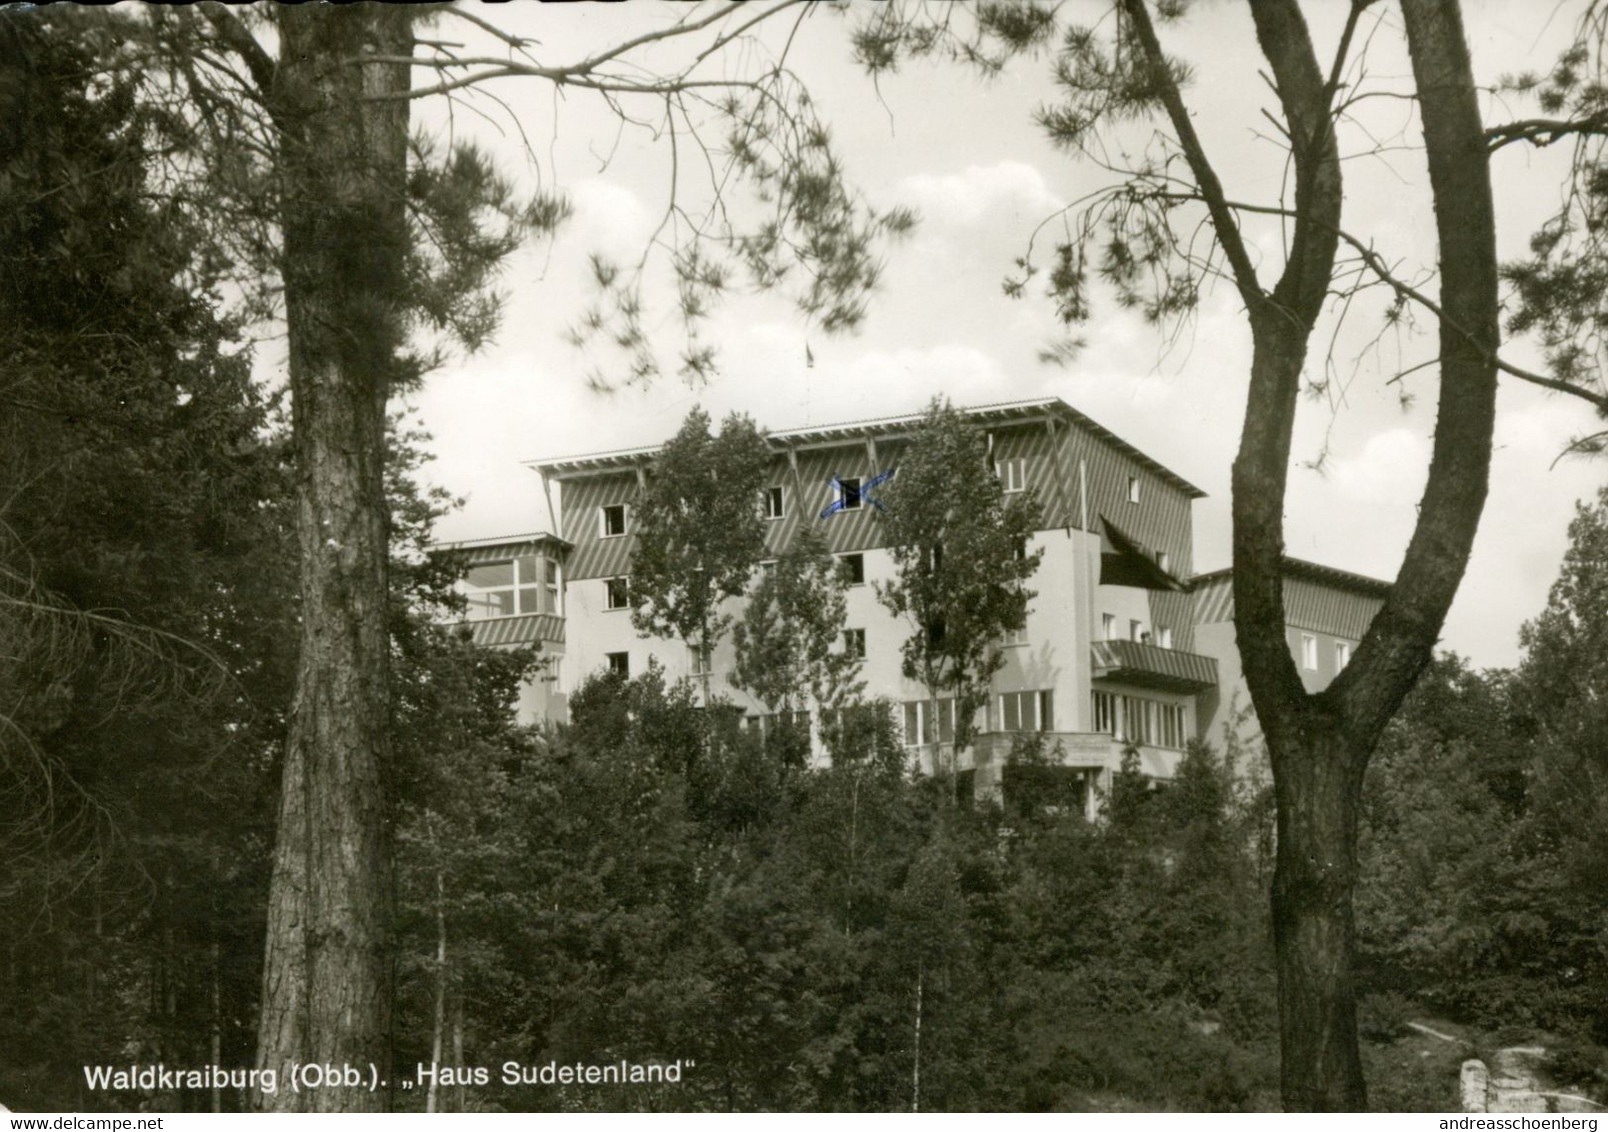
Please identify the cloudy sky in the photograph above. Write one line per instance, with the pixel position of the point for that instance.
(966, 155)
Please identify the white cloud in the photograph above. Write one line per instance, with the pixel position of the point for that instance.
(609, 219)
(1389, 468)
(1010, 190)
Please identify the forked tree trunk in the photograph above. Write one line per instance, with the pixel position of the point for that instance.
(326, 994)
(1320, 744)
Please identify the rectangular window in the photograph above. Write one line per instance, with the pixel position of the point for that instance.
(1108, 626)
(854, 643)
(1136, 630)
(768, 567)
(503, 589)
(1010, 712)
(1012, 473)
(848, 493)
(550, 577)
(1139, 720)
(912, 723)
(853, 567)
(918, 722)
(611, 520)
(1104, 713)
(773, 503)
(1134, 720)
(1309, 652)
(1164, 636)
(1026, 711)
(1342, 655)
(619, 663)
(529, 580)
(617, 592)
(491, 590)
(1133, 489)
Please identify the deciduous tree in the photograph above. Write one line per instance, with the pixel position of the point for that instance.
(789, 639)
(959, 549)
(699, 534)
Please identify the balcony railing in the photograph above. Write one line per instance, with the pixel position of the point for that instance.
(1150, 666)
(521, 629)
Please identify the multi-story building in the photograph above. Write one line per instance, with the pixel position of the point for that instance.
(1115, 652)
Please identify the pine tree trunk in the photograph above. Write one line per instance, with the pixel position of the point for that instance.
(1318, 780)
(326, 994)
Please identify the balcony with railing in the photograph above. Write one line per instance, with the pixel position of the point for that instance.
(1150, 666)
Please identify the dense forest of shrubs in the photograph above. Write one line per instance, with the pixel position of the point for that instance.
(651, 883)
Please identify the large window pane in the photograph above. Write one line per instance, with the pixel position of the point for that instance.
(491, 576)
(1011, 709)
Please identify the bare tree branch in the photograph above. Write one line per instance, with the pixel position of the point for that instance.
(1376, 264)
(1211, 187)
(1542, 132)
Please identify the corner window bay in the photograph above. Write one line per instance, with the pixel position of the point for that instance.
(523, 585)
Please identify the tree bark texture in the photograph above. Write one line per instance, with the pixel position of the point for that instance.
(1318, 785)
(326, 993)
